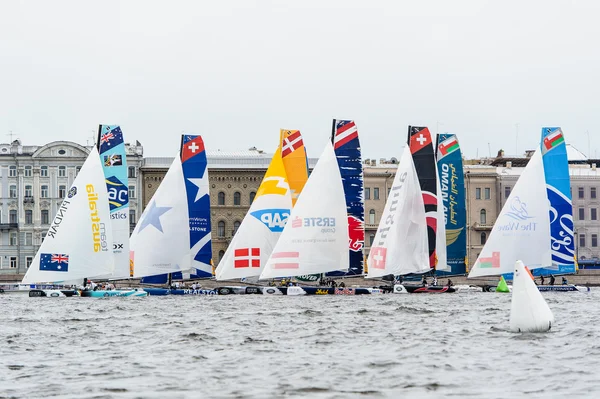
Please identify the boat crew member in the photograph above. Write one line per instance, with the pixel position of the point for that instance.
(424, 280)
(564, 281)
(434, 280)
(552, 279)
(541, 280)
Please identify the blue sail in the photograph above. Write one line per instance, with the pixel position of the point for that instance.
(344, 137)
(450, 173)
(558, 187)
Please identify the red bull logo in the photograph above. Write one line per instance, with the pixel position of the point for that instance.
(356, 232)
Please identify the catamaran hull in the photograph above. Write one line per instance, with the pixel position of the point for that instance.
(563, 288)
(112, 293)
(167, 291)
(52, 293)
(420, 289)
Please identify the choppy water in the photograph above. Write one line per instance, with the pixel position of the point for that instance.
(318, 347)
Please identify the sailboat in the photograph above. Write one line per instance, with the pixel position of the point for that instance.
(451, 200)
(344, 136)
(173, 234)
(79, 242)
(258, 233)
(315, 238)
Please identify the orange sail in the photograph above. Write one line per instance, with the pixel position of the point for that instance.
(294, 160)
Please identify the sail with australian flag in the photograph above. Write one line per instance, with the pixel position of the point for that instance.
(452, 193)
(111, 148)
(344, 136)
(558, 187)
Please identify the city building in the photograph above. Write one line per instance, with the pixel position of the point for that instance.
(34, 180)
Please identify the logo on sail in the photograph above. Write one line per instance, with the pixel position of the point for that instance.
(274, 219)
(72, 192)
(98, 228)
(60, 214)
(113, 160)
(356, 233)
(118, 194)
(518, 210)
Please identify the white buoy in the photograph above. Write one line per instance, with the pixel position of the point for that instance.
(529, 311)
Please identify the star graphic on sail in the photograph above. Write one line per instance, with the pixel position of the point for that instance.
(153, 217)
(198, 183)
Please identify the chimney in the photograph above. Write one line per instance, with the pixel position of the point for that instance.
(508, 164)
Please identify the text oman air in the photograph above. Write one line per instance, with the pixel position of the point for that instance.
(98, 228)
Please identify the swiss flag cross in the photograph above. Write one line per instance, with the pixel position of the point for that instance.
(377, 256)
(246, 257)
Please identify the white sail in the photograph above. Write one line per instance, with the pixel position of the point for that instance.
(256, 237)
(522, 229)
(440, 235)
(79, 242)
(529, 311)
(401, 245)
(315, 238)
(160, 242)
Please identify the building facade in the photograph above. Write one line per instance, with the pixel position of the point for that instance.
(33, 182)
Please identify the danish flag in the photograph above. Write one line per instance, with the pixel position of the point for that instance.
(246, 257)
(378, 255)
(291, 143)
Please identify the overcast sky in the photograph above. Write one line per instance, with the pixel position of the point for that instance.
(237, 71)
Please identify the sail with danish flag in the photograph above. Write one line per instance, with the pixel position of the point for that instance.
(173, 234)
(295, 162)
(258, 233)
(401, 242)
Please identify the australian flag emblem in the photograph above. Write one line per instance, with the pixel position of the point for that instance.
(54, 262)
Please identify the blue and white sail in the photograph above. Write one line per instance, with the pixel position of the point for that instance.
(558, 186)
(111, 148)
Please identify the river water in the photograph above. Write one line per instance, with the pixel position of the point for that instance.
(415, 346)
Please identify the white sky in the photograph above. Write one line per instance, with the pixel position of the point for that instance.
(237, 71)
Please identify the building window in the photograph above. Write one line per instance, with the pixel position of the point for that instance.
(221, 229)
(131, 191)
(478, 193)
(44, 235)
(43, 171)
(372, 216)
(28, 261)
(371, 239)
(12, 191)
(581, 192)
(594, 240)
(483, 238)
(12, 216)
(132, 216)
(482, 217)
(367, 193)
(13, 262)
(28, 216)
(506, 191)
(487, 192)
(252, 195)
(221, 254)
(593, 213)
(28, 171)
(131, 172)
(582, 240)
(28, 191)
(236, 226)
(45, 216)
(237, 198)
(12, 171)
(593, 192)
(28, 238)
(44, 191)
(13, 238)
(375, 193)
(62, 190)
(581, 213)
(221, 198)
(62, 171)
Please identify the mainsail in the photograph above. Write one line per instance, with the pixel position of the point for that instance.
(344, 136)
(315, 238)
(421, 147)
(295, 162)
(558, 186)
(256, 237)
(452, 194)
(522, 229)
(114, 163)
(79, 242)
(401, 242)
(173, 233)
